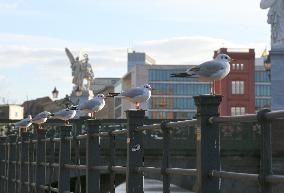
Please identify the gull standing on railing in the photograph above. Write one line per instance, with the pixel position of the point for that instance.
(93, 105)
(24, 123)
(209, 71)
(41, 118)
(65, 114)
(135, 95)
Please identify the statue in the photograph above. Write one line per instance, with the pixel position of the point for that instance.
(81, 70)
(276, 19)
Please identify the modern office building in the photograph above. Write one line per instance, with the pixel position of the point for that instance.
(171, 97)
(262, 86)
(138, 58)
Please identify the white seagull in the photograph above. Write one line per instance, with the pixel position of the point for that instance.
(24, 123)
(135, 95)
(93, 105)
(41, 118)
(65, 114)
(209, 71)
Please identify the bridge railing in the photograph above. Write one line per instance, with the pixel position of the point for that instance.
(28, 162)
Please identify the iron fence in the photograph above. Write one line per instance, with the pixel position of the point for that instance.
(43, 162)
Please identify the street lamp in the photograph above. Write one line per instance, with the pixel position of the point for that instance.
(55, 93)
(267, 63)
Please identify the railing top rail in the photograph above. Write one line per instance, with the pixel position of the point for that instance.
(170, 125)
(275, 115)
(238, 118)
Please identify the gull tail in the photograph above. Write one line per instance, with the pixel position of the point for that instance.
(112, 94)
(182, 75)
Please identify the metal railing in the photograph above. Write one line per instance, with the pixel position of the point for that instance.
(28, 162)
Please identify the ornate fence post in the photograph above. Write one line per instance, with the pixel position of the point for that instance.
(166, 157)
(11, 164)
(64, 158)
(111, 162)
(23, 162)
(2, 164)
(93, 156)
(134, 180)
(265, 151)
(40, 157)
(207, 143)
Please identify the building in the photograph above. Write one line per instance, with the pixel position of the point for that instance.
(12, 112)
(262, 86)
(138, 58)
(238, 88)
(171, 97)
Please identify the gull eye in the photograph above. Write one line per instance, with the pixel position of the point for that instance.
(226, 57)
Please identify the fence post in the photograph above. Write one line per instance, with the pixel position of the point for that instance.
(93, 156)
(40, 154)
(11, 165)
(64, 158)
(207, 143)
(2, 164)
(31, 160)
(111, 162)
(134, 180)
(166, 156)
(23, 166)
(265, 151)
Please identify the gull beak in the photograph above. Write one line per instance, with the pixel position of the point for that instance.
(233, 60)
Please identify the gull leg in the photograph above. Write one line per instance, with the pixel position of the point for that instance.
(213, 87)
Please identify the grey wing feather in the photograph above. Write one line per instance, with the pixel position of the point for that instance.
(210, 67)
(89, 104)
(70, 56)
(132, 92)
(39, 116)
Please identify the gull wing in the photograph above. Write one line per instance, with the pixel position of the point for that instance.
(210, 67)
(39, 116)
(89, 104)
(133, 92)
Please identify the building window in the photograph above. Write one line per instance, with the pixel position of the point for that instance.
(238, 87)
(16, 114)
(237, 111)
(238, 66)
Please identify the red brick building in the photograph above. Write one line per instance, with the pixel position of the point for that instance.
(238, 88)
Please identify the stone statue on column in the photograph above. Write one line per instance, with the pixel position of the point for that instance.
(275, 19)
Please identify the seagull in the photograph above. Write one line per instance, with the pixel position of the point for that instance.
(209, 71)
(65, 114)
(94, 105)
(24, 123)
(41, 118)
(135, 95)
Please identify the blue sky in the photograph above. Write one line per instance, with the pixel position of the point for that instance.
(34, 34)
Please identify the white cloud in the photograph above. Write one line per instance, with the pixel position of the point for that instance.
(46, 60)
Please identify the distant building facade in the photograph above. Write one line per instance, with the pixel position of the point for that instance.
(138, 58)
(238, 88)
(12, 112)
(172, 98)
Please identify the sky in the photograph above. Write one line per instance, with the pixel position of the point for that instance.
(33, 35)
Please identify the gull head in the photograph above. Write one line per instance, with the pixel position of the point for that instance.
(147, 87)
(100, 96)
(223, 57)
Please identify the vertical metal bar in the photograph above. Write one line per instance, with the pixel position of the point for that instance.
(24, 167)
(165, 159)
(111, 162)
(266, 151)
(11, 166)
(2, 164)
(207, 143)
(40, 152)
(16, 164)
(64, 158)
(93, 156)
(134, 180)
(31, 159)
(49, 158)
